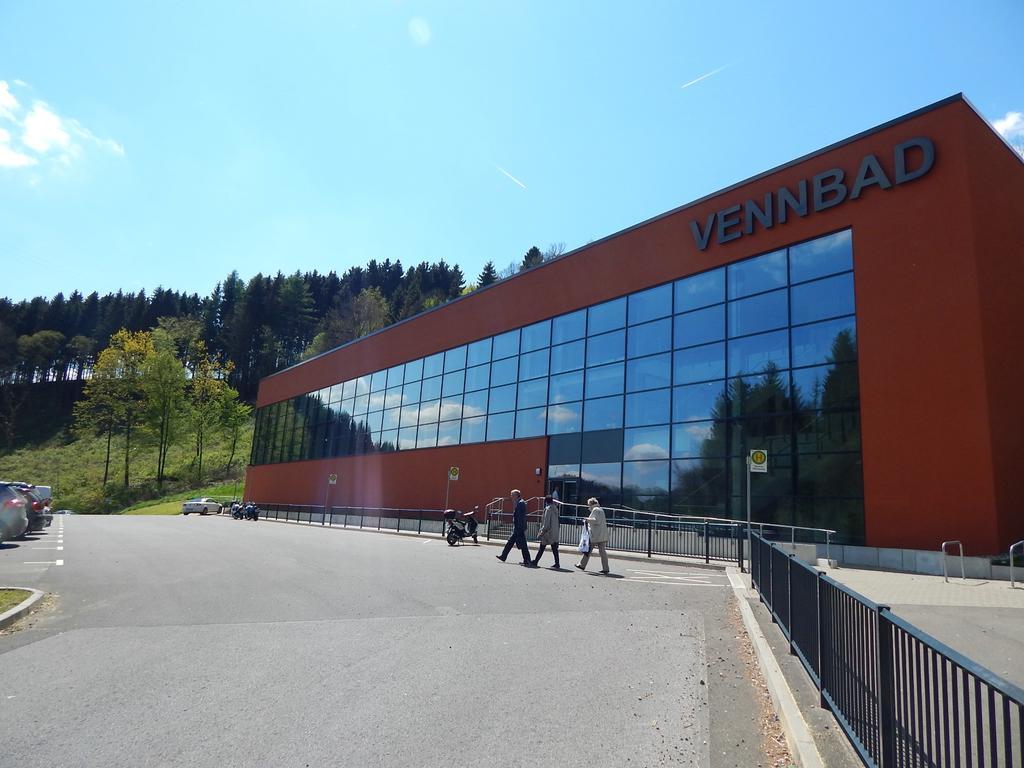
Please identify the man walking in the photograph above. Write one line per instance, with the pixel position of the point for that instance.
(518, 537)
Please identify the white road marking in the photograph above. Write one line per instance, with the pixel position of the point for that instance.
(673, 583)
(428, 541)
(43, 562)
(59, 562)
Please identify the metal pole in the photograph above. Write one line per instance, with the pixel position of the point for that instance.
(447, 488)
(749, 539)
(327, 491)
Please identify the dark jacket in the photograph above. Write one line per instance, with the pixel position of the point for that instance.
(519, 516)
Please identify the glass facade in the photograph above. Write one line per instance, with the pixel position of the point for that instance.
(653, 399)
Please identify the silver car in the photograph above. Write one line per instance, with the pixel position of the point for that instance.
(203, 506)
(13, 513)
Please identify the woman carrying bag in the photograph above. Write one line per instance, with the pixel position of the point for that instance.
(548, 535)
(598, 536)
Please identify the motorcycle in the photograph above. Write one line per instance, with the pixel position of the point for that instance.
(251, 512)
(236, 511)
(460, 525)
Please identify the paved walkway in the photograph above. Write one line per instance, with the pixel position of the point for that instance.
(983, 620)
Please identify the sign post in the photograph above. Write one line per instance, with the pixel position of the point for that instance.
(453, 475)
(757, 461)
(332, 479)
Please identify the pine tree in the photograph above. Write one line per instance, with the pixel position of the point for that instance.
(488, 275)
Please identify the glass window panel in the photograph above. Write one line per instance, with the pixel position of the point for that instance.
(363, 385)
(649, 373)
(448, 433)
(378, 381)
(406, 438)
(500, 426)
(829, 474)
(826, 386)
(533, 364)
(361, 405)
(699, 364)
(603, 481)
(569, 327)
(700, 327)
(567, 357)
(336, 393)
(752, 395)
(758, 274)
(608, 380)
(823, 431)
(388, 440)
(375, 421)
(413, 371)
(348, 390)
(431, 389)
(601, 446)
(700, 290)
(504, 371)
(606, 317)
(453, 383)
(503, 399)
(650, 338)
(699, 438)
(566, 388)
(478, 377)
(505, 345)
(433, 365)
(833, 341)
(396, 375)
(426, 437)
(454, 359)
(758, 313)
(411, 393)
(474, 430)
(410, 415)
(531, 423)
(603, 413)
(824, 256)
(391, 418)
(348, 406)
(699, 487)
(830, 297)
(606, 349)
(648, 408)
(699, 402)
(564, 471)
(753, 354)
(565, 448)
(565, 417)
(429, 411)
(393, 398)
(475, 404)
(376, 401)
(479, 352)
(645, 478)
(646, 443)
(776, 483)
(773, 434)
(535, 336)
(650, 304)
(532, 393)
(845, 516)
(451, 408)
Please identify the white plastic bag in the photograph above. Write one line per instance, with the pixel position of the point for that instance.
(585, 541)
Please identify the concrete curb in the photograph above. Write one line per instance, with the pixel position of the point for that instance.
(564, 548)
(798, 735)
(9, 617)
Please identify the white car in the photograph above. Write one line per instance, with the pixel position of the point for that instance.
(202, 506)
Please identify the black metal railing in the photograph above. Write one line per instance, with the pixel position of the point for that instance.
(903, 698)
(379, 518)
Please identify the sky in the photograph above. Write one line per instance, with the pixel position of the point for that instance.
(169, 143)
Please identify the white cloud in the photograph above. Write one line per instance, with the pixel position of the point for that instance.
(646, 451)
(43, 135)
(419, 31)
(1010, 126)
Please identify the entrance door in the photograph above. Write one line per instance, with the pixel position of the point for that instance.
(567, 489)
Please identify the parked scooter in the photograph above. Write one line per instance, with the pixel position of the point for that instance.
(460, 526)
(236, 510)
(251, 512)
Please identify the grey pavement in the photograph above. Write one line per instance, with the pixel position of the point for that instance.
(191, 641)
(983, 620)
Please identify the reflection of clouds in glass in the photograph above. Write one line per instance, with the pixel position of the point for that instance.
(451, 411)
(562, 415)
(604, 475)
(646, 451)
(698, 432)
(472, 410)
(446, 439)
(825, 244)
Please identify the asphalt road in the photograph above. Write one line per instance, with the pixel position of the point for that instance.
(205, 641)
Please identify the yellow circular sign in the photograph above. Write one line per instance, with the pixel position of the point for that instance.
(759, 457)
(453, 473)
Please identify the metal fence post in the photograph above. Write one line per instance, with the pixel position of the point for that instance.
(886, 690)
(819, 596)
(650, 536)
(739, 556)
(789, 603)
(419, 525)
(707, 544)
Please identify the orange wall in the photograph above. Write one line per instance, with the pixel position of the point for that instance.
(407, 479)
(929, 344)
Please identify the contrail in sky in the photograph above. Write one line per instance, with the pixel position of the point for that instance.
(702, 77)
(517, 181)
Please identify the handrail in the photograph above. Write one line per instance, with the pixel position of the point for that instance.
(1013, 547)
(945, 573)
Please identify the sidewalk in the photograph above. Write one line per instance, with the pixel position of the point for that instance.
(983, 620)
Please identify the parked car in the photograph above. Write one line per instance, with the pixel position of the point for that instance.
(38, 511)
(13, 512)
(203, 506)
(45, 493)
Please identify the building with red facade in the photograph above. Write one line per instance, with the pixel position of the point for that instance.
(855, 312)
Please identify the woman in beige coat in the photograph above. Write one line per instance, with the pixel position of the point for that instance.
(549, 530)
(598, 536)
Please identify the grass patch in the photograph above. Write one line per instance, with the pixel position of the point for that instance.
(171, 505)
(12, 597)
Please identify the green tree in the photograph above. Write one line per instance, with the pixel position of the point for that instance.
(488, 275)
(207, 392)
(532, 258)
(234, 416)
(163, 383)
